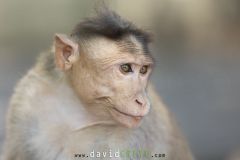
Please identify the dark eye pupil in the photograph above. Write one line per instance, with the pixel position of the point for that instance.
(143, 70)
(126, 68)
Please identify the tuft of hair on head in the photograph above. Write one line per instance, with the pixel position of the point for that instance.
(109, 24)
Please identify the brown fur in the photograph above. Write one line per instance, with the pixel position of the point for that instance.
(66, 104)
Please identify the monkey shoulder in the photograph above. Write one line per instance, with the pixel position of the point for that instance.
(33, 125)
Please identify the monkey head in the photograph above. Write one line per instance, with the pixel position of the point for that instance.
(112, 76)
(108, 74)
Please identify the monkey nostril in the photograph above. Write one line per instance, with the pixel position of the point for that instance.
(139, 102)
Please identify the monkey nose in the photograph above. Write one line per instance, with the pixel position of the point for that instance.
(140, 102)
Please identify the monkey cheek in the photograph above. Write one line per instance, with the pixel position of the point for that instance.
(127, 121)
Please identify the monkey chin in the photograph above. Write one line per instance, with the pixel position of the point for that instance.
(125, 119)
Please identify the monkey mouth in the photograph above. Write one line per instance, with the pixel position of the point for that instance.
(128, 115)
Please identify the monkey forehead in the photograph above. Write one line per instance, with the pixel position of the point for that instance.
(130, 44)
(100, 47)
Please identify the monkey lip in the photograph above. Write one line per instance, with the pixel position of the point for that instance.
(128, 115)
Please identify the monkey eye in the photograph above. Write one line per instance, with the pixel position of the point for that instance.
(144, 69)
(125, 68)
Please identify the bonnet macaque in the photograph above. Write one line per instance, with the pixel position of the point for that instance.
(90, 95)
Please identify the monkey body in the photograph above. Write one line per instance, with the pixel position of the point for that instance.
(89, 94)
(41, 107)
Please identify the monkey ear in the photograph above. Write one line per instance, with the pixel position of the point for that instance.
(66, 51)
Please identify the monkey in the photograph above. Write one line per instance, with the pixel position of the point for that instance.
(91, 93)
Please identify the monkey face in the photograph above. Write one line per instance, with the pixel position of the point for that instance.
(123, 77)
(114, 79)
(129, 98)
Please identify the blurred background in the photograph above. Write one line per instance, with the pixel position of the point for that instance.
(196, 49)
